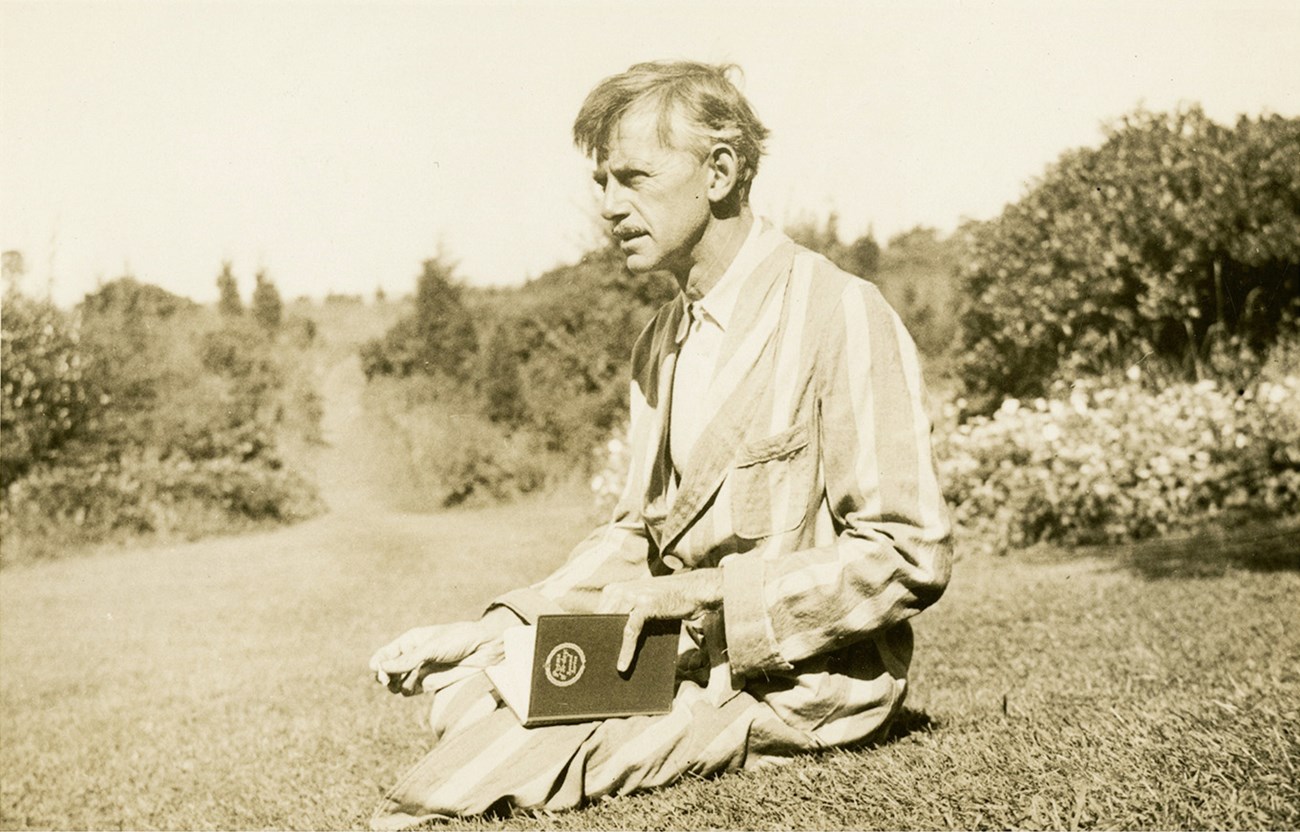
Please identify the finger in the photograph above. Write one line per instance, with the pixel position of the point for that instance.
(414, 682)
(383, 654)
(381, 677)
(631, 634)
(403, 662)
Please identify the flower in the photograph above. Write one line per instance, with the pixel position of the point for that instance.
(1104, 464)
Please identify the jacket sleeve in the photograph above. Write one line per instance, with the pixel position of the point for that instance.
(618, 550)
(892, 551)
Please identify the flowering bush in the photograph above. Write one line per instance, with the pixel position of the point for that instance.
(612, 461)
(1106, 462)
(1103, 464)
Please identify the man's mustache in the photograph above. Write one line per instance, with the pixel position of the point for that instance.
(627, 232)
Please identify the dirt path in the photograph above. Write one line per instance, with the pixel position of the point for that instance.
(346, 471)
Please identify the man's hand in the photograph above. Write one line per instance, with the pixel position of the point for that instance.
(403, 664)
(397, 664)
(680, 596)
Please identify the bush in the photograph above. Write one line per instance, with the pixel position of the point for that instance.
(77, 503)
(157, 416)
(1099, 463)
(559, 350)
(549, 383)
(268, 309)
(612, 461)
(860, 257)
(437, 338)
(46, 399)
(1175, 237)
(917, 274)
(439, 453)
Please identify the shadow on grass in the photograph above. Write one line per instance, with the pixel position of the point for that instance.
(907, 722)
(1257, 548)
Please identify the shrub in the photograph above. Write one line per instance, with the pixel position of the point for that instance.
(1103, 461)
(169, 420)
(860, 257)
(1100, 463)
(612, 461)
(917, 274)
(557, 359)
(437, 338)
(229, 302)
(268, 309)
(1175, 235)
(549, 383)
(440, 453)
(81, 502)
(46, 399)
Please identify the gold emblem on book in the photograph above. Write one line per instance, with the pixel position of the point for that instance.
(564, 664)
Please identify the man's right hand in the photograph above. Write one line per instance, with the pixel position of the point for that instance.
(396, 664)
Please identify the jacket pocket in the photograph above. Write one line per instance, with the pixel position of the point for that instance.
(771, 482)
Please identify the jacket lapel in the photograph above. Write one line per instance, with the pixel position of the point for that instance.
(738, 388)
(660, 469)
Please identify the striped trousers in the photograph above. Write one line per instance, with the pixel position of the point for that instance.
(484, 758)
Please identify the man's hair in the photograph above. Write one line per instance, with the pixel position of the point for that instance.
(712, 109)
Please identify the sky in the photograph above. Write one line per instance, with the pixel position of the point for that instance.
(338, 145)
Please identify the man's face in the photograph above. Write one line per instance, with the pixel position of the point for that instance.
(654, 197)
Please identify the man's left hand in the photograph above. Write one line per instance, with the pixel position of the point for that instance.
(680, 596)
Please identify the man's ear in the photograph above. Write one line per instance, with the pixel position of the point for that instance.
(724, 173)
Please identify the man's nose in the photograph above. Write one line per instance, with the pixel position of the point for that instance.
(612, 205)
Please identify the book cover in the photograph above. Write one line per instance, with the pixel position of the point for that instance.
(564, 669)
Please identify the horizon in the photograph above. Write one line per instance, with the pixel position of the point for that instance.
(340, 148)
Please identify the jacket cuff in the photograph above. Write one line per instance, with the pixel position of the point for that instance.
(527, 603)
(751, 643)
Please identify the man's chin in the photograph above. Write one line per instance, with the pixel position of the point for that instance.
(640, 264)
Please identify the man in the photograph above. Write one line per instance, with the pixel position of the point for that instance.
(781, 497)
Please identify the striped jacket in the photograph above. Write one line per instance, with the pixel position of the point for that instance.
(812, 488)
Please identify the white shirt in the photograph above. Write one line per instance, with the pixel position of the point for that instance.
(699, 336)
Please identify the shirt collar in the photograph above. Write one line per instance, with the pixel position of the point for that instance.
(720, 301)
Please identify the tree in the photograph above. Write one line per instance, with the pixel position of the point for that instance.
(1176, 239)
(229, 302)
(13, 269)
(443, 327)
(917, 274)
(860, 257)
(503, 389)
(438, 338)
(268, 309)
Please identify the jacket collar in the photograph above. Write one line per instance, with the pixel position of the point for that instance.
(742, 376)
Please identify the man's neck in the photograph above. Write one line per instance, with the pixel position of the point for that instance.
(718, 246)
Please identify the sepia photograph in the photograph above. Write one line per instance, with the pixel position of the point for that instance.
(599, 415)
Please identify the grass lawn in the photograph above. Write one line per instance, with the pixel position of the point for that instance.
(222, 684)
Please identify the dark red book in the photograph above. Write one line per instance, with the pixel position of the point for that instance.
(565, 669)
